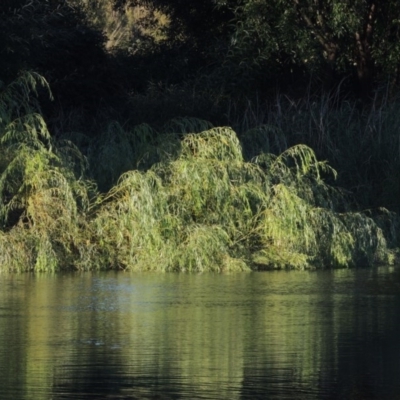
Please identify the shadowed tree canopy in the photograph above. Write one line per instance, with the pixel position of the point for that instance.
(255, 42)
(241, 45)
(196, 29)
(358, 38)
(55, 39)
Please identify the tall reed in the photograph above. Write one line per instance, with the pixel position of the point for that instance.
(360, 141)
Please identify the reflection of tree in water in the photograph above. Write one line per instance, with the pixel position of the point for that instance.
(303, 336)
(168, 349)
(341, 343)
(13, 328)
(104, 364)
(186, 345)
(104, 381)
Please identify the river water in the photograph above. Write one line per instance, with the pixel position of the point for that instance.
(271, 335)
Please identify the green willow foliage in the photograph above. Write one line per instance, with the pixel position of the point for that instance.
(41, 198)
(208, 209)
(197, 205)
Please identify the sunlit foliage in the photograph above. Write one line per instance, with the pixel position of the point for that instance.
(208, 209)
(187, 200)
(131, 28)
(41, 193)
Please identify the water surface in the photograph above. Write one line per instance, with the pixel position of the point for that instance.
(272, 335)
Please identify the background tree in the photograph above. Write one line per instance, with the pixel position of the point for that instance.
(327, 38)
(55, 39)
(173, 39)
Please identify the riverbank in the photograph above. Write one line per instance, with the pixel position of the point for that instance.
(189, 197)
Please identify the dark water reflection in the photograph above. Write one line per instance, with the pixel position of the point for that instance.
(273, 335)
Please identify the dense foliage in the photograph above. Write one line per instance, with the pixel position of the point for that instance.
(114, 174)
(329, 39)
(249, 44)
(199, 206)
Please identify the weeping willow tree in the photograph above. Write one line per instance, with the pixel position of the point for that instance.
(187, 201)
(42, 198)
(206, 208)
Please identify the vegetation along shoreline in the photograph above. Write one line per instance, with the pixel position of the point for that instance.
(210, 136)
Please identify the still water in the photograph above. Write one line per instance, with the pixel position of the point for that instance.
(272, 335)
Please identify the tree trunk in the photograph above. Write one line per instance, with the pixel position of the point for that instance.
(364, 60)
